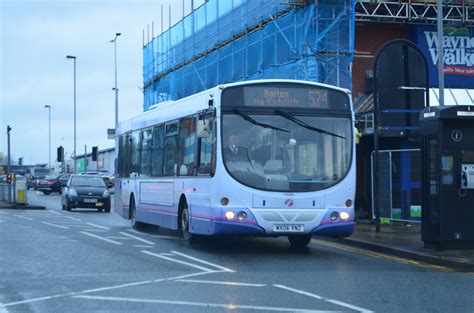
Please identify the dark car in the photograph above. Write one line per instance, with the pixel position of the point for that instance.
(86, 191)
(63, 179)
(49, 184)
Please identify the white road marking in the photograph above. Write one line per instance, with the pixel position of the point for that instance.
(30, 300)
(101, 238)
(134, 231)
(54, 212)
(138, 238)
(228, 283)
(98, 226)
(204, 304)
(178, 261)
(3, 309)
(225, 269)
(311, 295)
(117, 287)
(58, 226)
(119, 238)
(101, 289)
(3, 212)
(167, 254)
(24, 217)
(73, 218)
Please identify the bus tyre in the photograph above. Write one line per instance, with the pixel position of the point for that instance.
(133, 215)
(188, 237)
(299, 240)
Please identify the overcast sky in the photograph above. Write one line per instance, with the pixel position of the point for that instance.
(37, 35)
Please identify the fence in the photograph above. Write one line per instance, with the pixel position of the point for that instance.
(234, 40)
(399, 185)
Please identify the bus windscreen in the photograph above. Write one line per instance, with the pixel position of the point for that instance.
(281, 95)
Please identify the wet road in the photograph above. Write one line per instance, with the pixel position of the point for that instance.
(85, 261)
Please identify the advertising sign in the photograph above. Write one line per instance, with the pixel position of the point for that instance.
(458, 50)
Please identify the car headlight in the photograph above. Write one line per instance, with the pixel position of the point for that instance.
(106, 194)
(72, 193)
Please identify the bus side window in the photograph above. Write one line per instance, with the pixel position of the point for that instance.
(157, 151)
(171, 149)
(207, 150)
(135, 151)
(146, 150)
(187, 146)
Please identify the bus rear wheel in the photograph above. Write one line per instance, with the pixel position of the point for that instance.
(299, 240)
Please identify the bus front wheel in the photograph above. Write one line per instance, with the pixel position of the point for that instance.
(299, 240)
(133, 215)
(188, 237)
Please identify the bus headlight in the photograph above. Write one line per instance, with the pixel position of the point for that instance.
(334, 216)
(348, 203)
(344, 215)
(241, 216)
(229, 215)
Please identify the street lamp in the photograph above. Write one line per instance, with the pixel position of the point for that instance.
(75, 156)
(49, 118)
(115, 88)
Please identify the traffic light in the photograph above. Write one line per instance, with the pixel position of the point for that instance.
(94, 153)
(60, 154)
(20, 161)
(9, 178)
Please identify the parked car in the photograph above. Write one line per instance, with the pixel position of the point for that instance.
(85, 191)
(49, 184)
(63, 179)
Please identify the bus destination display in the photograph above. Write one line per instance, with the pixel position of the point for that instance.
(286, 97)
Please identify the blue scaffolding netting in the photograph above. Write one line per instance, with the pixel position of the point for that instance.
(234, 40)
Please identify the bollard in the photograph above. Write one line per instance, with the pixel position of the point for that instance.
(20, 191)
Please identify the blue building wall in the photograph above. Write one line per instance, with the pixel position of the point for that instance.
(233, 40)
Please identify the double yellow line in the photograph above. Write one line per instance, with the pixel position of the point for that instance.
(383, 256)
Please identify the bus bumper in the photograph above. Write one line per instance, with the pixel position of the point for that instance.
(340, 229)
(232, 228)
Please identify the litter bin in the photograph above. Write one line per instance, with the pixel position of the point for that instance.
(20, 189)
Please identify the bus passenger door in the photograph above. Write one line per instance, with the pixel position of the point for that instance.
(125, 176)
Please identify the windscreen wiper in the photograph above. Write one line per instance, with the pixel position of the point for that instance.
(246, 117)
(305, 125)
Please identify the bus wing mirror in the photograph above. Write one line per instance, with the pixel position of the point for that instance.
(203, 129)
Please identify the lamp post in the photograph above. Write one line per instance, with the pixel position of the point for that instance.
(114, 41)
(49, 123)
(75, 156)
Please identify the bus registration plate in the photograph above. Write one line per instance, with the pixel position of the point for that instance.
(287, 228)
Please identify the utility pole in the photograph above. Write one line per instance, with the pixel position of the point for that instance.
(8, 156)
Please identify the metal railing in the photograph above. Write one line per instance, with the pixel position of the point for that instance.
(6, 192)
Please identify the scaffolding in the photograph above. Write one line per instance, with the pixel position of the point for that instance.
(234, 40)
(459, 13)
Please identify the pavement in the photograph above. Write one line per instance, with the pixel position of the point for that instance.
(404, 240)
(9, 206)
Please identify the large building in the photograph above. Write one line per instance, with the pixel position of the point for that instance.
(328, 41)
